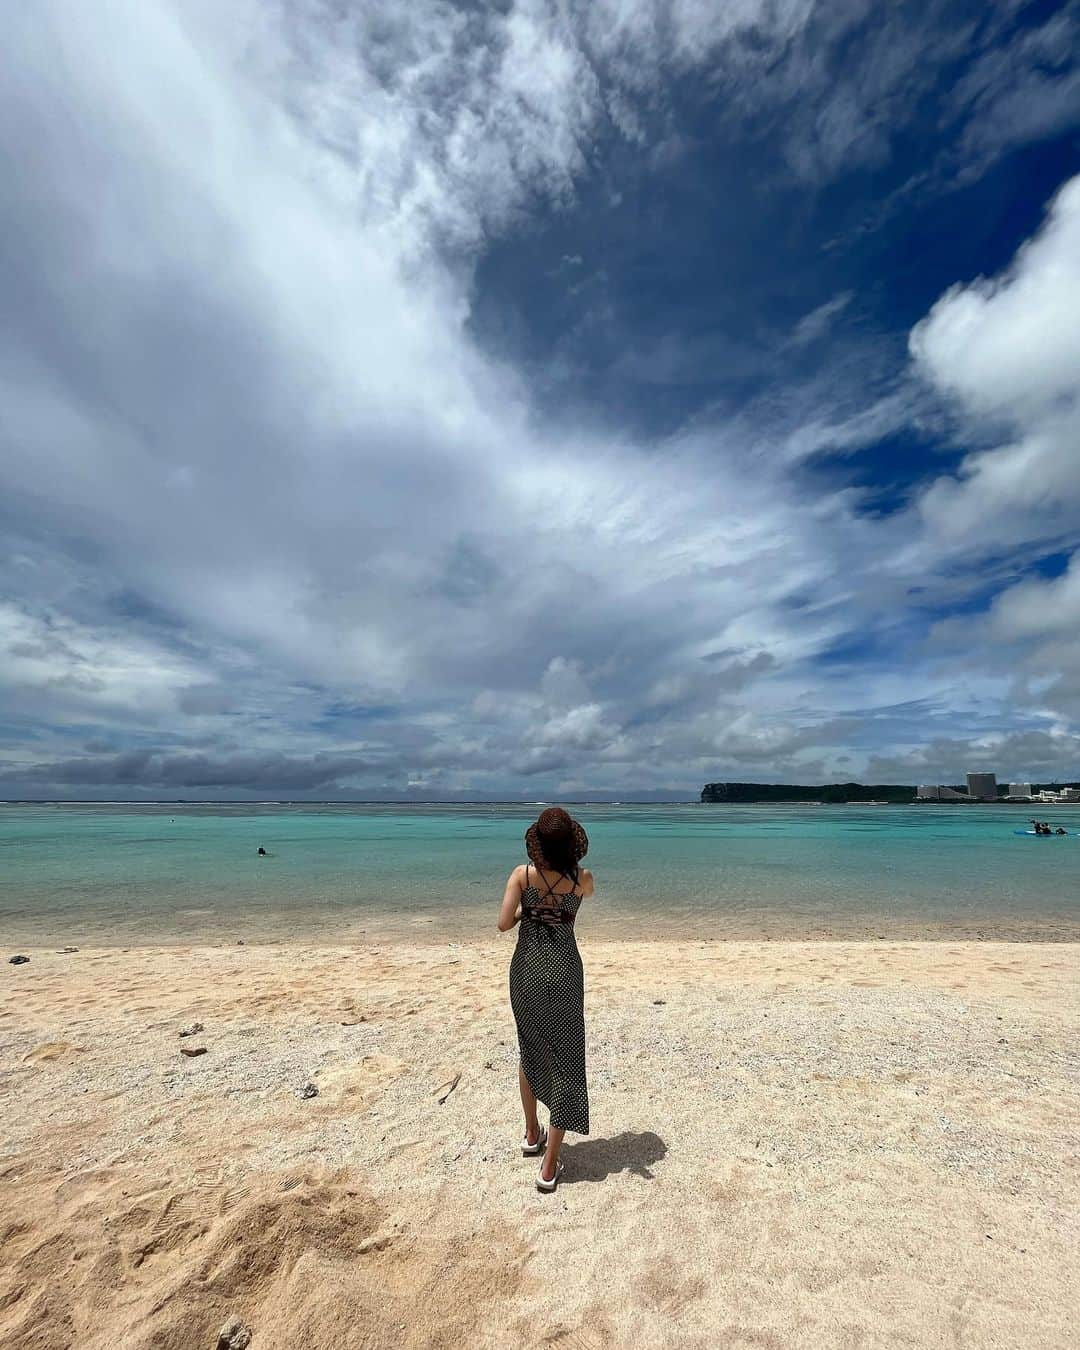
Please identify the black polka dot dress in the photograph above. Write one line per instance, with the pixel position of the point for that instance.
(547, 994)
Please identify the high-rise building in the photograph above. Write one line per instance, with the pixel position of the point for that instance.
(935, 792)
(1020, 790)
(982, 786)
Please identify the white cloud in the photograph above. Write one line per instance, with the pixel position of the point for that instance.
(1039, 608)
(1009, 346)
(1007, 351)
(55, 667)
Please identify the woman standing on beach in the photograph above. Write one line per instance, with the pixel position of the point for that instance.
(547, 987)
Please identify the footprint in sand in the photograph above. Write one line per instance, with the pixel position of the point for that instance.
(54, 1052)
(595, 1336)
(668, 1290)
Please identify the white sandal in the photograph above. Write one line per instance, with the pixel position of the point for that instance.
(531, 1150)
(544, 1185)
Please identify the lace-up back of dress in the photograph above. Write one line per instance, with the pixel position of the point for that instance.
(544, 904)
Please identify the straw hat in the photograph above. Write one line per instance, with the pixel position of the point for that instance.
(559, 828)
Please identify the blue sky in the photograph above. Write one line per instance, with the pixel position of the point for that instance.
(565, 399)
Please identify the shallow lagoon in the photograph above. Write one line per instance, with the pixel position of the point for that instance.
(119, 873)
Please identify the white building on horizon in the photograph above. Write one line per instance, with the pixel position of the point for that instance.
(936, 792)
(1020, 791)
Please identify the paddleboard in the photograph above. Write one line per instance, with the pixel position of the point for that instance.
(1033, 835)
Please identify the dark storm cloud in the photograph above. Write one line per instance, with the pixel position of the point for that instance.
(251, 772)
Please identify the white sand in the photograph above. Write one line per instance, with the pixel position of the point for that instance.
(800, 1144)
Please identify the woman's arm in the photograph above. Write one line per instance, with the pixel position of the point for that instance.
(586, 882)
(509, 910)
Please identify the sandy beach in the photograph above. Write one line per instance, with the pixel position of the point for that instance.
(850, 1144)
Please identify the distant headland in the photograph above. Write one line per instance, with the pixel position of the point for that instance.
(801, 792)
(980, 787)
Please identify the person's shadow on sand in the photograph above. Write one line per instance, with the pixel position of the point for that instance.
(595, 1159)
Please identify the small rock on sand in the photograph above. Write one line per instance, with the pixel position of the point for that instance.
(192, 1050)
(234, 1335)
(308, 1090)
(18, 960)
(192, 1030)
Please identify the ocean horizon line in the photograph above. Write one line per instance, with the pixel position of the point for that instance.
(341, 801)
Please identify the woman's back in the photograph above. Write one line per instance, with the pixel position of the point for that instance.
(549, 896)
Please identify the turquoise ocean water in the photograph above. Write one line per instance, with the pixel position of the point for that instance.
(116, 873)
(119, 874)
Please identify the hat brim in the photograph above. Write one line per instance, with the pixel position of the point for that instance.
(536, 853)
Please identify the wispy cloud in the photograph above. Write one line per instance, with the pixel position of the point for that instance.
(818, 321)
